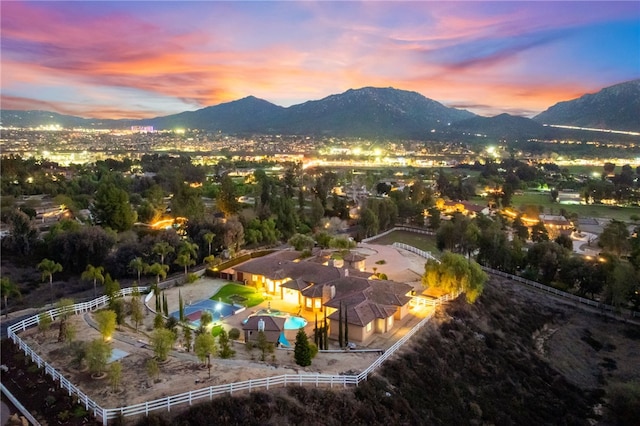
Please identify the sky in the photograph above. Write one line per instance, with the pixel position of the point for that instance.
(130, 59)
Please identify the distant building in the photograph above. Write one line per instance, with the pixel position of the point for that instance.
(142, 129)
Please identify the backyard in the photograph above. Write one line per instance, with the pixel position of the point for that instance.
(239, 295)
(421, 241)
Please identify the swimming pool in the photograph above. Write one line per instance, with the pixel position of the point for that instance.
(218, 310)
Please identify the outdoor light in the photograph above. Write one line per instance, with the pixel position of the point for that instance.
(218, 307)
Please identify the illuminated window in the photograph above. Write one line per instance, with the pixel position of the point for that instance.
(254, 278)
(308, 303)
(318, 303)
(369, 326)
(390, 322)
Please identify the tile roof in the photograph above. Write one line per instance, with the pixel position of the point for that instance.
(270, 323)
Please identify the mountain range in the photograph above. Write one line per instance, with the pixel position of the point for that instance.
(374, 113)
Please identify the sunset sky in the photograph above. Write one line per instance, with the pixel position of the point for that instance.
(130, 59)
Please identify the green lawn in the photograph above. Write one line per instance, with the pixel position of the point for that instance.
(226, 294)
(421, 241)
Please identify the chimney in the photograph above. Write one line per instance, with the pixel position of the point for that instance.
(260, 324)
(346, 272)
(328, 293)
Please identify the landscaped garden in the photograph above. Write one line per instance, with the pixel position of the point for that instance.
(237, 294)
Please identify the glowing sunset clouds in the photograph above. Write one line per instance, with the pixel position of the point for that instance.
(144, 59)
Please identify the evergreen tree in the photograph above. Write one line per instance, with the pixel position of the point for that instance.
(180, 305)
(302, 351)
(340, 335)
(346, 327)
(165, 305)
(325, 332)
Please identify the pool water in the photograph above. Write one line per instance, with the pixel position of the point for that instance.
(294, 323)
(218, 310)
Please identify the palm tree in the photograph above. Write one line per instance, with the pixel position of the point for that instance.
(189, 248)
(93, 273)
(157, 269)
(8, 288)
(48, 268)
(163, 248)
(138, 265)
(184, 260)
(208, 237)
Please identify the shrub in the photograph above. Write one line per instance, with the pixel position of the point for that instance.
(162, 341)
(234, 334)
(302, 351)
(98, 353)
(191, 278)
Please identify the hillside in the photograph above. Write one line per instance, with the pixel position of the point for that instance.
(615, 107)
(515, 357)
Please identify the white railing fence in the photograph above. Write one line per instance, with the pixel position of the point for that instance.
(412, 249)
(144, 408)
(601, 306)
(399, 228)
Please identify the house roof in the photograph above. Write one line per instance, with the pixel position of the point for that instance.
(270, 323)
(364, 312)
(278, 269)
(296, 284)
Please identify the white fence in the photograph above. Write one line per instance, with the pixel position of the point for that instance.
(603, 307)
(399, 228)
(412, 249)
(106, 414)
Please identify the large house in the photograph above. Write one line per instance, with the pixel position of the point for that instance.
(372, 305)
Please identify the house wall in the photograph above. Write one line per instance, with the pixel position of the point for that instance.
(357, 334)
(252, 336)
(401, 312)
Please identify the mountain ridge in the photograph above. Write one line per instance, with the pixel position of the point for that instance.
(372, 112)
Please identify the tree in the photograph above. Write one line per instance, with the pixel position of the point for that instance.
(48, 268)
(539, 233)
(208, 237)
(234, 334)
(302, 351)
(184, 260)
(115, 375)
(106, 321)
(615, 238)
(180, 306)
(520, 229)
(301, 242)
(93, 273)
(44, 322)
(455, 274)
(621, 284)
(369, 223)
(162, 248)
(227, 200)
(138, 265)
(8, 289)
(204, 346)
(186, 338)
(137, 312)
(153, 370)
(225, 348)
(159, 270)
(264, 345)
(97, 355)
(23, 234)
(162, 341)
(111, 207)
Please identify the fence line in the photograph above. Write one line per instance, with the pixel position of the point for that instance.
(399, 228)
(412, 249)
(106, 414)
(602, 306)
